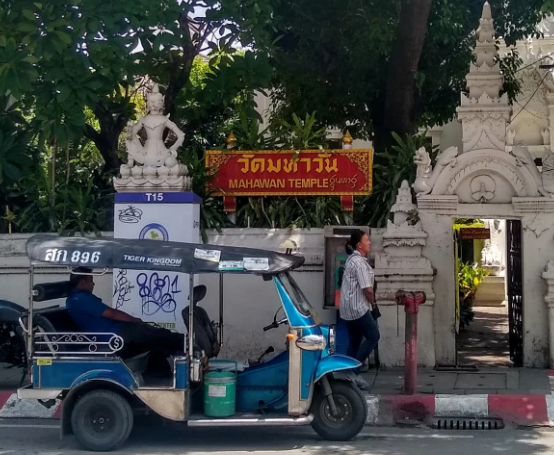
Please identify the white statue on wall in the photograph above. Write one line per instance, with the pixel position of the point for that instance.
(544, 179)
(152, 165)
(426, 175)
(547, 174)
(493, 253)
(153, 152)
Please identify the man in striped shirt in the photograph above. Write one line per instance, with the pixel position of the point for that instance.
(357, 299)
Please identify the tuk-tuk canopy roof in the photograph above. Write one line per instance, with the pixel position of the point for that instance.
(155, 255)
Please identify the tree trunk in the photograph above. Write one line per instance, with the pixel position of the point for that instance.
(178, 79)
(404, 63)
(106, 140)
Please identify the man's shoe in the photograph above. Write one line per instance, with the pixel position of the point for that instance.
(361, 383)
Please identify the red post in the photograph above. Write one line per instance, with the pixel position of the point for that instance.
(410, 301)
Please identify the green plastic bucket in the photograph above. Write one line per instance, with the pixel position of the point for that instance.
(220, 388)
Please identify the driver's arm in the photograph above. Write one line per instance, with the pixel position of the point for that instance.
(97, 308)
(117, 315)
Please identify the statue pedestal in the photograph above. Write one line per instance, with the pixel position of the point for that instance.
(172, 216)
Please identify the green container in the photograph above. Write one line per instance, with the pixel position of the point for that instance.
(220, 388)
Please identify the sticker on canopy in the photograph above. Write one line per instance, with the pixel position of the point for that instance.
(256, 264)
(157, 261)
(229, 266)
(207, 255)
(154, 231)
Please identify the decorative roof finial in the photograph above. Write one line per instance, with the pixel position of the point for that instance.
(231, 141)
(347, 138)
(487, 14)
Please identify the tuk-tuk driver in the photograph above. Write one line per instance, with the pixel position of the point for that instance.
(92, 315)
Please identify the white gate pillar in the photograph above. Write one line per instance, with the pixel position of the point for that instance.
(548, 276)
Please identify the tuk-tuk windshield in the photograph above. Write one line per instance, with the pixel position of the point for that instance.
(296, 295)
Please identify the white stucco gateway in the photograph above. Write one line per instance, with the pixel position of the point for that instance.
(485, 178)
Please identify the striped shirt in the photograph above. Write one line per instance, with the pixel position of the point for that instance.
(358, 275)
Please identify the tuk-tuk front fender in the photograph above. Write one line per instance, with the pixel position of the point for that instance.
(335, 363)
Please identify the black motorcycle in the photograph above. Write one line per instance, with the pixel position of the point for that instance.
(12, 337)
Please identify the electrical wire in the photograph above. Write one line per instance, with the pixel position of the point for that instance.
(375, 378)
(531, 97)
(377, 358)
(535, 62)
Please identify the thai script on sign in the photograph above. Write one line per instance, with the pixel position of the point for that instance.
(281, 173)
(321, 162)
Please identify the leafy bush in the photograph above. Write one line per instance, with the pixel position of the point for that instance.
(389, 170)
(470, 277)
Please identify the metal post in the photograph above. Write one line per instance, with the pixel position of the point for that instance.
(221, 309)
(410, 368)
(30, 341)
(411, 302)
(191, 318)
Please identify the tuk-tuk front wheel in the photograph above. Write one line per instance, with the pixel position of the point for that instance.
(102, 420)
(350, 414)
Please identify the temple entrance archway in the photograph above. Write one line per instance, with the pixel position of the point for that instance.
(489, 322)
(481, 178)
(484, 178)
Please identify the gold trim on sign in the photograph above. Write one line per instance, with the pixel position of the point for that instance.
(217, 158)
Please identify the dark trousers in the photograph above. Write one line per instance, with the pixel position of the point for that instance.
(364, 329)
(143, 336)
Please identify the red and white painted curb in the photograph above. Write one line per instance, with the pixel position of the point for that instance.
(12, 407)
(524, 410)
(386, 410)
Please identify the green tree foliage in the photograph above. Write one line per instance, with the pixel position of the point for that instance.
(74, 73)
(355, 61)
(61, 56)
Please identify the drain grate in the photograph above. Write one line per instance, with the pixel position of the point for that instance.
(467, 423)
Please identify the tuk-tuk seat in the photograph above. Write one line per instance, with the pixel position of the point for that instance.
(43, 292)
(58, 320)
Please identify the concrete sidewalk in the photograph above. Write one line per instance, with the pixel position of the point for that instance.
(521, 397)
(484, 381)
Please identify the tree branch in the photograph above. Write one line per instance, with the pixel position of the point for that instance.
(91, 133)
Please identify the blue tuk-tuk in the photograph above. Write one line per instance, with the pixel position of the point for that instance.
(102, 383)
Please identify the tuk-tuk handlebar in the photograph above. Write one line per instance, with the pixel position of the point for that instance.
(275, 324)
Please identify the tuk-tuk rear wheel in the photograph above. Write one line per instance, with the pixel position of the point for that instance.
(351, 412)
(102, 420)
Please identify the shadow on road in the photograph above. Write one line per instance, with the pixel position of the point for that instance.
(151, 438)
(174, 439)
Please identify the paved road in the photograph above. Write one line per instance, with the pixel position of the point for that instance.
(32, 437)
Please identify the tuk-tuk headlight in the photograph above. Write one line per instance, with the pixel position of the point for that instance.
(312, 343)
(332, 339)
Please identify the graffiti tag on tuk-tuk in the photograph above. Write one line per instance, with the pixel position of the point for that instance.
(157, 293)
(83, 257)
(122, 289)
